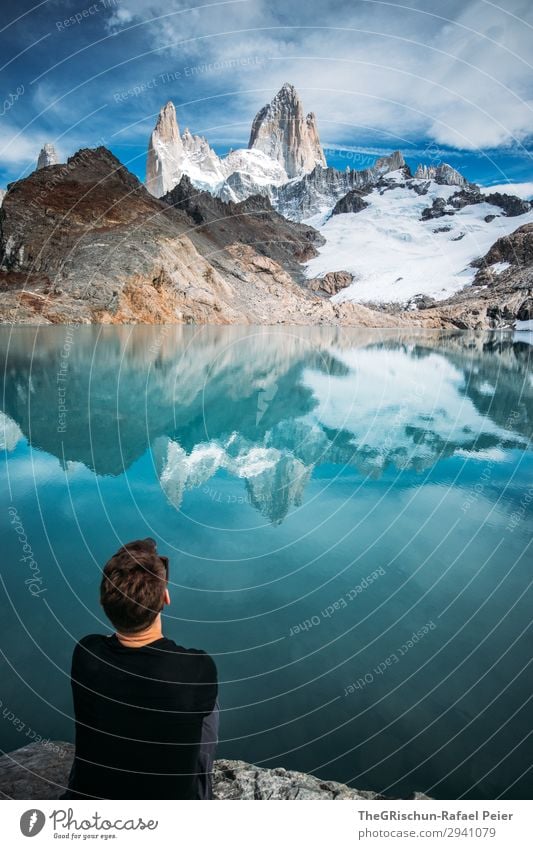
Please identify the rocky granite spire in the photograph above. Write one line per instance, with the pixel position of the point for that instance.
(47, 156)
(282, 131)
(165, 153)
(171, 155)
(442, 173)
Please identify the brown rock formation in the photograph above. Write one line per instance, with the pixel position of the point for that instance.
(331, 283)
(86, 242)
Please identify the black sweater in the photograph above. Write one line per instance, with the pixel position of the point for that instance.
(139, 714)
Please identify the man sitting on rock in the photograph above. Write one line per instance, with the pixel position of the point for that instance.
(145, 708)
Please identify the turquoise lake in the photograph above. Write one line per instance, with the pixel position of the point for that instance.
(348, 518)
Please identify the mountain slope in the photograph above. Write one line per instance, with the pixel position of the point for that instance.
(413, 238)
(251, 222)
(86, 242)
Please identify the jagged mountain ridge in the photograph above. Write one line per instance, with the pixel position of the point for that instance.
(323, 187)
(284, 144)
(284, 161)
(170, 155)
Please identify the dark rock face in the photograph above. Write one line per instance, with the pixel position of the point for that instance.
(351, 202)
(41, 771)
(419, 188)
(436, 210)
(466, 197)
(56, 208)
(525, 310)
(70, 235)
(251, 222)
(510, 204)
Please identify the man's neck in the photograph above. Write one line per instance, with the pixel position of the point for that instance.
(142, 638)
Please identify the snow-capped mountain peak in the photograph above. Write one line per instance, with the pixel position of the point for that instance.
(284, 144)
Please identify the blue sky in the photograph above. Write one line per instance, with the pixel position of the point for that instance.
(445, 81)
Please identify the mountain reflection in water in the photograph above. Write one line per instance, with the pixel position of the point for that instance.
(265, 405)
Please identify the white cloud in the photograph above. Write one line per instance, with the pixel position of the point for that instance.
(19, 148)
(521, 190)
(365, 69)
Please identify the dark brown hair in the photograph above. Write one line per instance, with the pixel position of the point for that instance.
(133, 585)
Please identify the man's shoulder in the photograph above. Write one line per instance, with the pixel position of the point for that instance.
(196, 659)
(91, 643)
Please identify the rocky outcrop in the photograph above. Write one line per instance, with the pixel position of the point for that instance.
(47, 156)
(235, 780)
(331, 283)
(516, 249)
(284, 133)
(41, 770)
(443, 174)
(510, 204)
(438, 209)
(502, 291)
(251, 222)
(351, 202)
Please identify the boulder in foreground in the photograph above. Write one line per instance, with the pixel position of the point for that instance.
(41, 770)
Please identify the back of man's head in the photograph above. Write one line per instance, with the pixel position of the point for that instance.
(133, 586)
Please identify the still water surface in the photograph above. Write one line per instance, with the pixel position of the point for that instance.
(347, 515)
